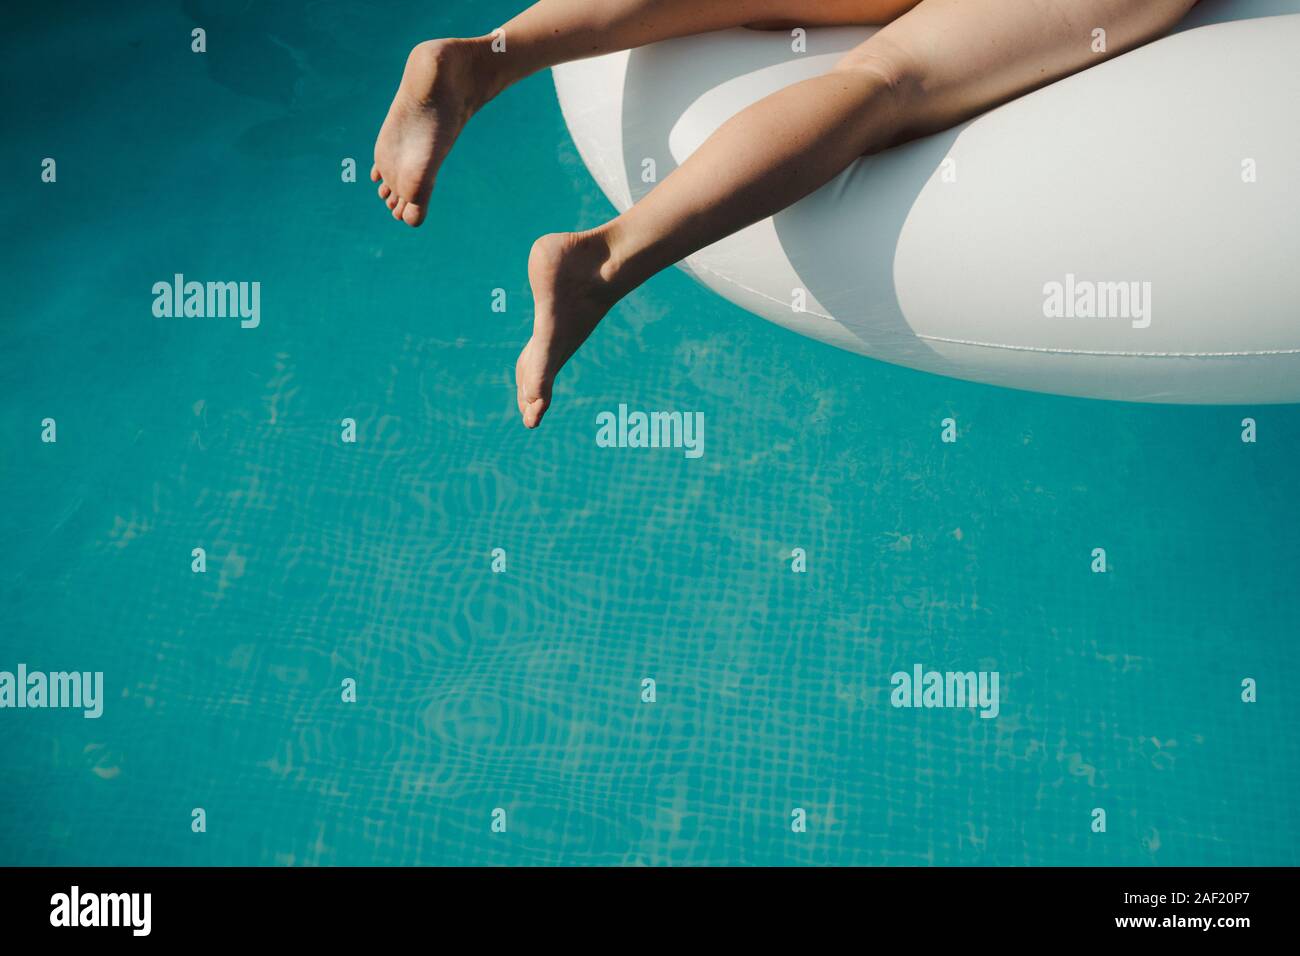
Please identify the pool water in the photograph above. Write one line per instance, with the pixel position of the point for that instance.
(372, 561)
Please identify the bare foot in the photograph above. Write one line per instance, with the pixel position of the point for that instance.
(444, 84)
(573, 287)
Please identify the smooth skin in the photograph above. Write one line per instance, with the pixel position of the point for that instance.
(934, 64)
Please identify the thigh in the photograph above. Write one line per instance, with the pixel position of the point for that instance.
(967, 56)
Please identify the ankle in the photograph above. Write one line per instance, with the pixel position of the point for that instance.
(600, 252)
(626, 263)
(464, 69)
(496, 67)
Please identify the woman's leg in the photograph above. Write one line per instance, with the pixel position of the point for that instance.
(447, 81)
(936, 65)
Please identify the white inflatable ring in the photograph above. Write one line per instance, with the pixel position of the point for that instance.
(1130, 232)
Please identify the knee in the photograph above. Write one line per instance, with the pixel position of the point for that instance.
(894, 69)
(896, 75)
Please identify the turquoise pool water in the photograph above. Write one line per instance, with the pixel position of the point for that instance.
(522, 690)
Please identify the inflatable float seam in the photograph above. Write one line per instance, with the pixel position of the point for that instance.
(1108, 353)
(692, 267)
(1015, 348)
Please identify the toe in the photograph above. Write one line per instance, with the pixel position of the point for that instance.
(391, 201)
(414, 214)
(399, 209)
(374, 173)
(384, 190)
(534, 412)
(537, 399)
